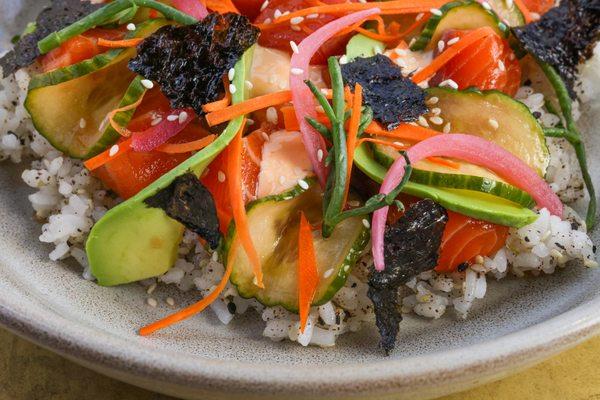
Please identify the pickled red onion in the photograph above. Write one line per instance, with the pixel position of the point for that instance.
(195, 8)
(304, 101)
(159, 134)
(472, 149)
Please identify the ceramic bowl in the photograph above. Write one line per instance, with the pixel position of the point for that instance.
(520, 322)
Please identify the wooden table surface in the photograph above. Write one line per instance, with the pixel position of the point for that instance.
(28, 372)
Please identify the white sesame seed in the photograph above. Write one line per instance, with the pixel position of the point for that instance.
(215, 256)
(294, 47)
(479, 260)
(501, 66)
(362, 1)
(148, 84)
(312, 16)
(436, 120)
(282, 180)
(302, 183)
(493, 123)
(435, 11)
(344, 59)
(423, 121)
(320, 155)
(366, 223)
(412, 41)
(232, 88)
(432, 100)
(249, 85)
(156, 121)
(296, 20)
(131, 26)
(249, 121)
(82, 123)
(183, 116)
(297, 71)
(486, 5)
(319, 109)
(447, 128)
(221, 176)
(272, 115)
(419, 16)
(328, 273)
(423, 85)
(509, 3)
(277, 14)
(441, 46)
(295, 28)
(449, 83)
(503, 26)
(398, 143)
(346, 268)
(170, 301)
(267, 21)
(452, 41)
(264, 136)
(151, 302)
(436, 111)
(151, 288)
(264, 5)
(324, 91)
(113, 150)
(231, 74)
(172, 118)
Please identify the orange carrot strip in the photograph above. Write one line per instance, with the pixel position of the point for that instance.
(111, 115)
(415, 25)
(445, 162)
(221, 6)
(353, 134)
(119, 43)
(404, 131)
(236, 198)
(177, 148)
(397, 146)
(451, 52)
(524, 10)
(377, 36)
(199, 306)
(248, 106)
(290, 122)
(104, 157)
(308, 277)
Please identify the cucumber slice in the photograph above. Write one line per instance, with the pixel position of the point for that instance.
(68, 106)
(512, 126)
(363, 46)
(511, 15)
(458, 15)
(468, 177)
(274, 223)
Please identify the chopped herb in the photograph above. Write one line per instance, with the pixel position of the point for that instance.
(412, 246)
(189, 62)
(189, 202)
(393, 98)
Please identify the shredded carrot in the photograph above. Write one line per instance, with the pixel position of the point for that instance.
(119, 43)
(353, 134)
(387, 7)
(308, 277)
(111, 117)
(445, 162)
(415, 25)
(382, 37)
(451, 52)
(404, 131)
(290, 122)
(199, 306)
(221, 6)
(217, 105)
(524, 10)
(395, 145)
(178, 148)
(104, 157)
(248, 106)
(236, 199)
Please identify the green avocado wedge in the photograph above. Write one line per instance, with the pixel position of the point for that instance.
(133, 241)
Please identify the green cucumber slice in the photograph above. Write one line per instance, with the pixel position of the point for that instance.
(363, 46)
(68, 106)
(481, 181)
(508, 13)
(458, 15)
(496, 117)
(274, 222)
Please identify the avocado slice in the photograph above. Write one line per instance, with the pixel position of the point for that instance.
(133, 241)
(471, 203)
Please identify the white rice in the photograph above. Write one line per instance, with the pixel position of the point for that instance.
(69, 201)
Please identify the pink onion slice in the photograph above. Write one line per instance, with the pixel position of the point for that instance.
(195, 8)
(474, 150)
(159, 134)
(304, 101)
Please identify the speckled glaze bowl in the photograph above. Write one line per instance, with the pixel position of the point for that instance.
(519, 323)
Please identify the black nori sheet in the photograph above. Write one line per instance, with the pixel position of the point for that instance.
(564, 36)
(60, 14)
(189, 62)
(189, 202)
(412, 246)
(393, 98)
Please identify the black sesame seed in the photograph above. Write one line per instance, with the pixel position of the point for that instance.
(231, 307)
(463, 267)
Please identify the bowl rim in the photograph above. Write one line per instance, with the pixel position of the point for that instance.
(462, 366)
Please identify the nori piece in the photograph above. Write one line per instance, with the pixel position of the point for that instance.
(188, 201)
(189, 62)
(393, 98)
(412, 246)
(563, 37)
(59, 14)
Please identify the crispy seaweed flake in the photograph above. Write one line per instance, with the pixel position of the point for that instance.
(189, 202)
(59, 14)
(393, 98)
(564, 36)
(189, 62)
(412, 246)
